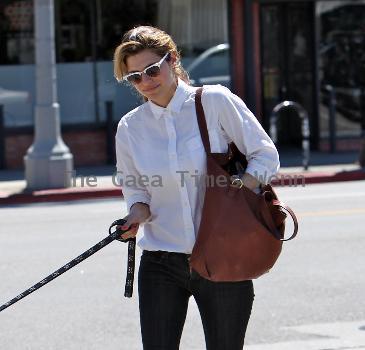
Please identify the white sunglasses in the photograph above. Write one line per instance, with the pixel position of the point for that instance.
(152, 71)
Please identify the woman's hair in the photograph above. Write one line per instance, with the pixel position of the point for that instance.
(145, 37)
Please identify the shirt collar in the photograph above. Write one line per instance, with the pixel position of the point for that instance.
(176, 103)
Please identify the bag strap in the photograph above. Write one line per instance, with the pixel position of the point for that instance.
(201, 120)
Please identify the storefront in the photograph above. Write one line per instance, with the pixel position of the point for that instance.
(277, 50)
(308, 46)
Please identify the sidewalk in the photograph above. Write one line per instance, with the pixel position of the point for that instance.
(324, 167)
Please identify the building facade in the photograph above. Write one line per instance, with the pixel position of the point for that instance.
(278, 50)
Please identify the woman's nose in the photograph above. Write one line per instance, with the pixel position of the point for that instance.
(146, 77)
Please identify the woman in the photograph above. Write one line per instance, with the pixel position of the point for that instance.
(160, 156)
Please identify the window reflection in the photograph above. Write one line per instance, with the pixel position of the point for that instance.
(86, 34)
(16, 32)
(73, 30)
(342, 62)
(193, 28)
(287, 64)
(114, 17)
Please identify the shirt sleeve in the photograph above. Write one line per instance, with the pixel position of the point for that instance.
(127, 175)
(242, 127)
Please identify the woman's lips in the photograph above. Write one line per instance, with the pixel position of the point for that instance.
(151, 89)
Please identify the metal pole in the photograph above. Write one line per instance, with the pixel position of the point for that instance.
(48, 162)
(94, 43)
(2, 139)
(274, 126)
(362, 111)
(109, 132)
(305, 138)
(332, 117)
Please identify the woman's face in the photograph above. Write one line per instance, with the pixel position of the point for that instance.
(156, 89)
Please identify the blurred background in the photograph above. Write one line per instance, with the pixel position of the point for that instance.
(265, 51)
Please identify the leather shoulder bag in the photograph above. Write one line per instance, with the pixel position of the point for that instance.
(241, 233)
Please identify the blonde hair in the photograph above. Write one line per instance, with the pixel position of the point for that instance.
(145, 37)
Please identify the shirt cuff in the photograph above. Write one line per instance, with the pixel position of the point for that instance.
(261, 173)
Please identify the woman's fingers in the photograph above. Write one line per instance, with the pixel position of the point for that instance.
(126, 224)
(127, 227)
(132, 232)
(133, 219)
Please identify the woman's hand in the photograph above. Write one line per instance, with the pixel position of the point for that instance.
(247, 180)
(138, 214)
(250, 181)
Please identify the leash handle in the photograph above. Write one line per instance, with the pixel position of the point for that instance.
(112, 236)
(128, 290)
(131, 263)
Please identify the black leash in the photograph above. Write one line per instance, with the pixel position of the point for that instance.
(112, 236)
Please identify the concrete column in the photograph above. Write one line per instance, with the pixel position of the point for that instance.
(48, 162)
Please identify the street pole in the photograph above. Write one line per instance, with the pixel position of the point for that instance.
(48, 162)
(362, 113)
(2, 138)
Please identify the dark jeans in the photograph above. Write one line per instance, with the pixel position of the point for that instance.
(165, 285)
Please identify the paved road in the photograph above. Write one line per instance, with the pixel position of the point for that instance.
(313, 299)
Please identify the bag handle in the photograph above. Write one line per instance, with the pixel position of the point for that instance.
(293, 216)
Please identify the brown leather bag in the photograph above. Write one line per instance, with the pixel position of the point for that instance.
(241, 233)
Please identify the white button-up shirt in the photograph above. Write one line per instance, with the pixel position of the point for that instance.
(161, 157)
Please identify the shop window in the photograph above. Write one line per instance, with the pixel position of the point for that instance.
(73, 29)
(287, 65)
(342, 64)
(195, 25)
(114, 17)
(86, 34)
(16, 61)
(16, 32)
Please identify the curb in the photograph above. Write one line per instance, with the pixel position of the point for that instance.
(60, 195)
(303, 178)
(68, 194)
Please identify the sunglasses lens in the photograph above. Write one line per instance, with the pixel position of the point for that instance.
(153, 71)
(135, 78)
